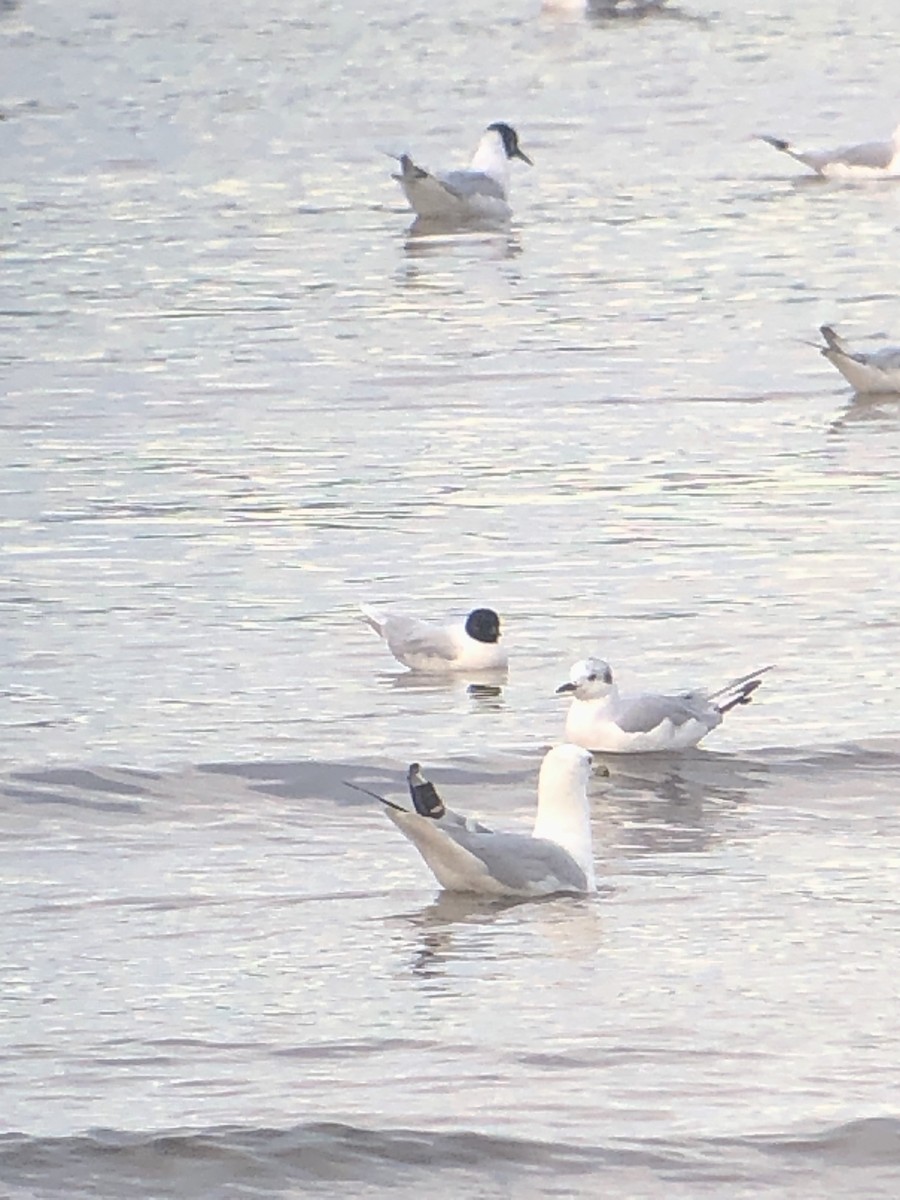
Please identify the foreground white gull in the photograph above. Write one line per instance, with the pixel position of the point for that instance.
(470, 645)
(869, 374)
(870, 160)
(599, 718)
(480, 192)
(466, 856)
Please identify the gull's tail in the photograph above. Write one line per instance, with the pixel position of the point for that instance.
(738, 691)
(425, 798)
(375, 796)
(835, 344)
(409, 172)
(785, 148)
(374, 617)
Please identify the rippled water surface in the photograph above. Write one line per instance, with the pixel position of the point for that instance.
(241, 395)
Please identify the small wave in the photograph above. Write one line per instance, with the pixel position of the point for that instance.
(316, 1156)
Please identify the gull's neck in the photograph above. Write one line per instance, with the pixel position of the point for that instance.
(490, 158)
(564, 817)
(608, 702)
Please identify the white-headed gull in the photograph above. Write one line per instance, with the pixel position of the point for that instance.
(466, 856)
(874, 373)
(481, 192)
(470, 645)
(869, 160)
(600, 718)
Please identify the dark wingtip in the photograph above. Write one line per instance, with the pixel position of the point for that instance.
(425, 798)
(743, 697)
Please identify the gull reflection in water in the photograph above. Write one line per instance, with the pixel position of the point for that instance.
(458, 927)
(436, 239)
(879, 409)
(485, 689)
(669, 803)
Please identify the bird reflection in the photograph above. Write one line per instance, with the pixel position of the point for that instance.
(434, 239)
(485, 691)
(875, 409)
(675, 803)
(440, 941)
(631, 12)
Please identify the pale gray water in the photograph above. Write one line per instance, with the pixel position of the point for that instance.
(239, 399)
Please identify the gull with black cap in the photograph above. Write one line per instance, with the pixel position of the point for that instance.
(470, 645)
(479, 192)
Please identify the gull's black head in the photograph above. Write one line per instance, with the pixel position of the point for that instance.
(483, 625)
(510, 141)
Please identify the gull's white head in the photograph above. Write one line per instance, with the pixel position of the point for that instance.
(498, 144)
(564, 772)
(589, 679)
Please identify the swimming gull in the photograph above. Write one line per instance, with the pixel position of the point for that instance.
(466, 856)
(600, 718)
(479, 192)
(870, 160)
(470, 645)
(869, 374)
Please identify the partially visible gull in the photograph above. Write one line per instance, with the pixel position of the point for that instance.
(480, 192)
(600, 718)
(472, 645)
(869, 374)
(870, 160)
(466, 856)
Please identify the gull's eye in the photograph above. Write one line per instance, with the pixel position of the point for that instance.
(591, 678)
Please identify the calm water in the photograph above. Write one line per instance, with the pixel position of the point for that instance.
(239, 398)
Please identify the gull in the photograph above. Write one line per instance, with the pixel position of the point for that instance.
(471, 645)
(869, 374)
(466, 856)
(481, 191)
(871, 160)
(599, 718)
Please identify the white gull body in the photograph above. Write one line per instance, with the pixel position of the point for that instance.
(465, 856)
(875, 373)
(471, 645)
(601, 718)
(869, 160)
(479, 192)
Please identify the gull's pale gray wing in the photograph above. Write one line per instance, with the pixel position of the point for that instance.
(405, 635)
(519, 862)
(640, 714)
(467, 184)
(473, 860)
(885, 360)
(877, 155)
